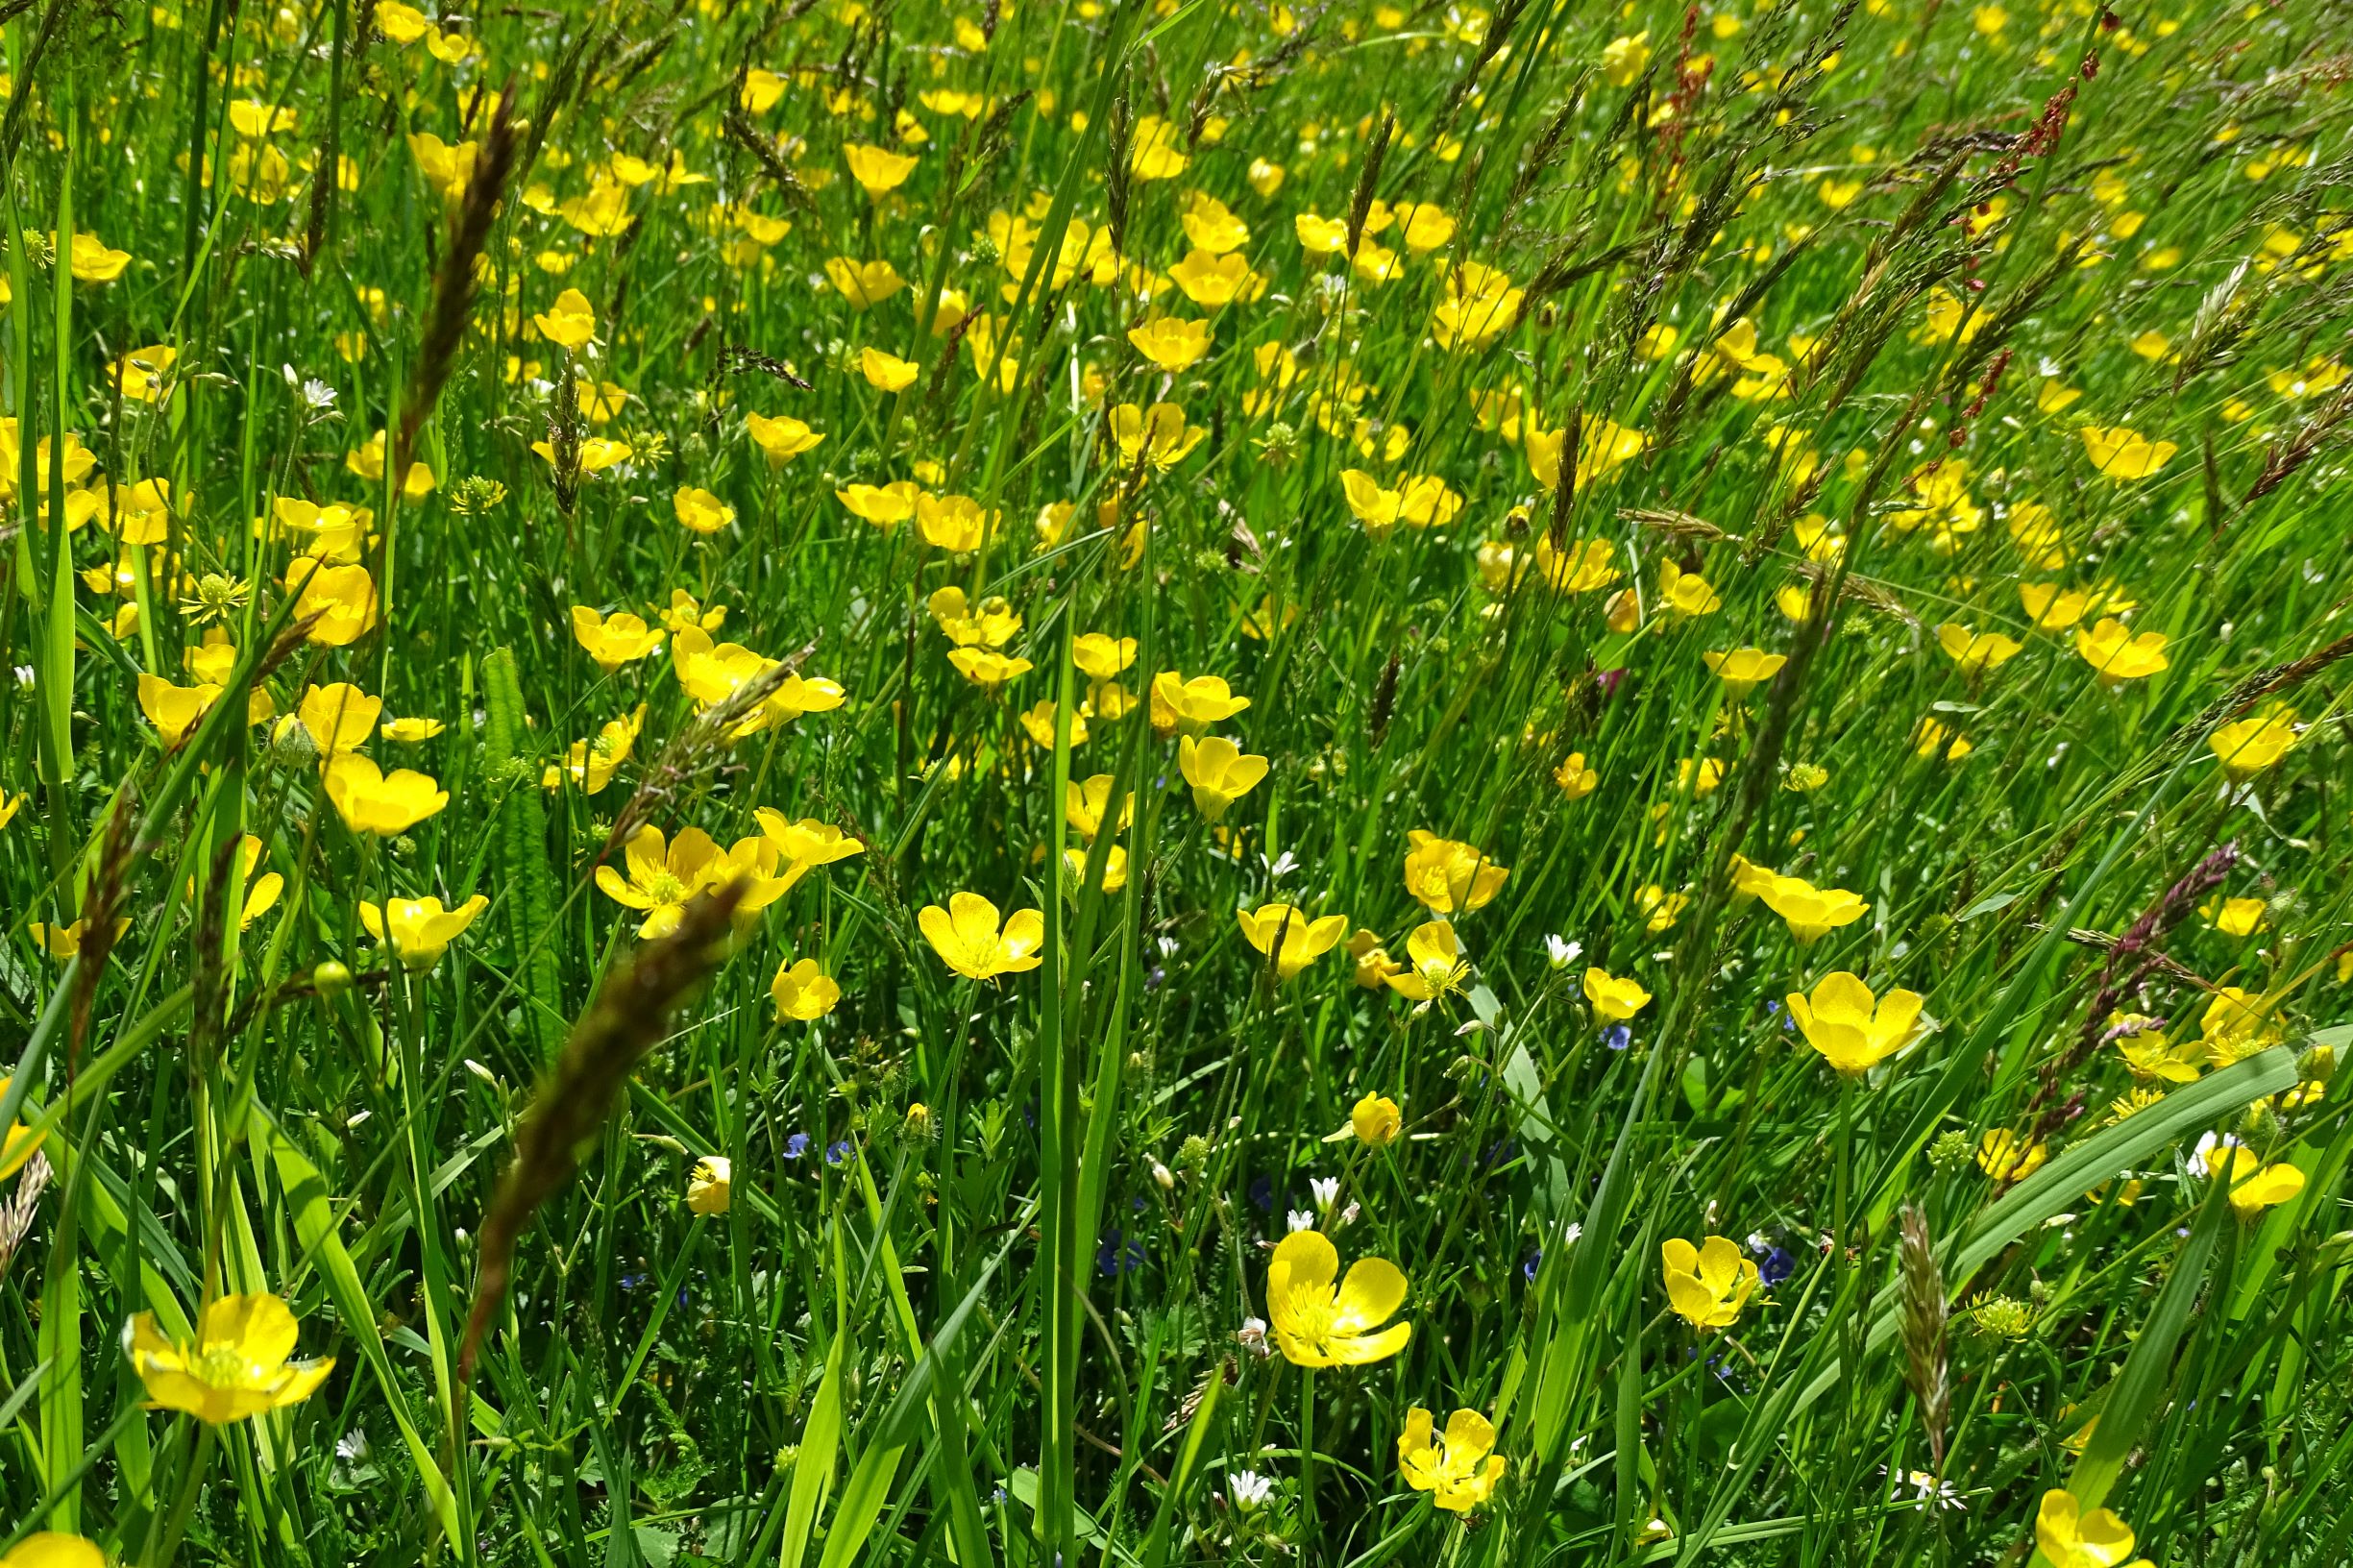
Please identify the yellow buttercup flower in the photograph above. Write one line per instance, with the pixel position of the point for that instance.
(1437, 967)
(1317, 1324)
(1458, 1470)
(1420, 501)
(1615, 1000)
(2255, 1187)
(420, 930)
(710, 1187)
(174, 710)
(570, 322)
(1854, 1030)
(2234, 916)
(1449, 877)
(236, 1365)
(1192, 705)
(1975, 652)
(802, 991)
(954, 523)
(343, 599)
(863, 282)
(1375, 1120)
(782, 438)
(877, 169)
(2246, 747)
(1290, 937)
(1744, 669)
(1707, 1284)
(1158, 434)
(53, 1549)
(881, 505)
(967, 937)
(1575, 778)
(2071, 1538)
(2123, 453)
(1812, 912)
(886, 371)
(1688, 593)
(699, 511)
(2117, 655)
(370, 800)
(339, 717)
(20, 1143)
(1625, 58)
(1100, 658)
(1170, 342)
(1219, 771)
(1372, 963)
(2007, 1157)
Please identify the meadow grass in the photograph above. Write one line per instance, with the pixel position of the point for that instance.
(839, 783)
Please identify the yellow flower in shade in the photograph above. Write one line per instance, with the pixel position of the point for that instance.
(1437, 967)
(1854, 1030)
(142, 372)
(1479, 305)
(421, 929)
(884, 505)
(1709, 1284)
(806, 843)
(19, 1145)
(1373, 965)
(1812, 912)
(1084, 800)
(1575, 778)
(802, 991)
(1376, 1122)
(1744, 669)
(1159, 434)
(570, 322)
(967, 936)
(887, 371)
(711, 1185)
(369, 800)
(1219, 771)
(2117, 655)
(699, 511)
(52, 1549)
(174, 710)
(343, 599)
(782, 438)
(1603, 447)
(2071, 1538)
(1615, 1000)
(2123, 453)
(2255, 1187)
(2007, 1157)
(1449, 877)
(339, 717)
(235, 1367)
(1318, 1325)
(2246, 747)
(864, 282)
(1686, 593)
(1460, 1470)
(2234, 916)
(1171, 342)
(1427, 226)
(1192, 705)
(1586, 565)
(1290, 937)
(1975, 652)
(877, 169)
(1420, 501)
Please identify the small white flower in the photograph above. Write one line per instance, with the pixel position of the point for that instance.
(1251, 1490)
(1168, 947)
(24, 676)
(1327, 1191)
(318, 395)
(1560, 952)
(1281, 867)
(1348, 1215)
(1302, 1220)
